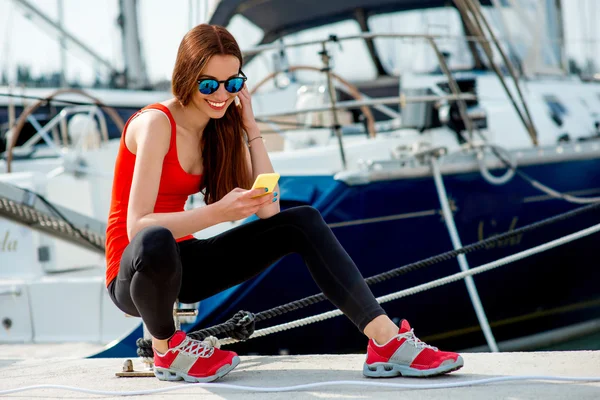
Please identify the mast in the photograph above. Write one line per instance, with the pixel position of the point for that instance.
(40, 18)
(135, 67)
(556, 32)
(63, 44)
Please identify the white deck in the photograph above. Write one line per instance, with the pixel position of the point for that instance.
(280, 371)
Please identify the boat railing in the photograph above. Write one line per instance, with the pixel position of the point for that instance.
(43, 133)
(476, 22)
(77, 120)
(402, 100)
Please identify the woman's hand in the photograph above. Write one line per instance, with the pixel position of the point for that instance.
(239, 204)
(247, 113)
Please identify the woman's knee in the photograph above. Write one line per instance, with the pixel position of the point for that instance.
(305, 215)
(156, 248)
(305, 218)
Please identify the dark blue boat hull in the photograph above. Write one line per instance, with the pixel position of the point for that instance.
(550, 290)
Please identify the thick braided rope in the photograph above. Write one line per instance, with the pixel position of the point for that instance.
(236, 325)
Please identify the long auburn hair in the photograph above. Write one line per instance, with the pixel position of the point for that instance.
(223, 155)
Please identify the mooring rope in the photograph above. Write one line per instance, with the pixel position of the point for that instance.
(426, 286)
(241, 326)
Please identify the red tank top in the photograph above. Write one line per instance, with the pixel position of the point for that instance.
(175, 187)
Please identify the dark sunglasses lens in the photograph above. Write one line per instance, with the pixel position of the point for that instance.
(234, 85)
(208, 86)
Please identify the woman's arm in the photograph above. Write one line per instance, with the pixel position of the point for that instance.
(260, 163)
(148, 137)
(258, 158)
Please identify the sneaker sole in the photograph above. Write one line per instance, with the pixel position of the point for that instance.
(164, 374)
(389, 370)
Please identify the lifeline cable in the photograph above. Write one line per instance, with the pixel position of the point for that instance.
(533, 182)
(31, 217)
(98, 246)
(241, 320)
(88, 103)
(263, 389)
(69, 102)
(276, 311)
(428, 285)
(540, 186)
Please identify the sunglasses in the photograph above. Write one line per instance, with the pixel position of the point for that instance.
(232, 85)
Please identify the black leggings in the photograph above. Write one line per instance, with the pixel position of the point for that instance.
(155, 270)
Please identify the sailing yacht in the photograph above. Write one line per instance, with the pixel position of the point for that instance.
(369, 106)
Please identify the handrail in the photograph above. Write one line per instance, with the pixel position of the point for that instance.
(334, 39)
(334, 105)
(355, 104)
(354, 92)
(42, 131)
(430, 39)
(11, 143)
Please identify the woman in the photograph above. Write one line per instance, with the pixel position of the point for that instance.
(203, 140)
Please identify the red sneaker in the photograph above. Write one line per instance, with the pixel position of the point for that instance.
(192, 361)
(406, 355)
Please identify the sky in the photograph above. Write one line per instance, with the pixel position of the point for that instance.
(94, 22)
(161, 27)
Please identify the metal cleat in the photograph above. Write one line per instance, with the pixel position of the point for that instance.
(129, 372)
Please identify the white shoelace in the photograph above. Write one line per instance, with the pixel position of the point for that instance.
(195, 348)
(410, 336)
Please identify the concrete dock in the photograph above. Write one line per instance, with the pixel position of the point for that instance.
(278, 371)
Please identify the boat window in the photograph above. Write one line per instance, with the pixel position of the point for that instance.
(350, 58)
(557, 109)
(529, 30)
(416, 55)
(246, 33)
(531, 47)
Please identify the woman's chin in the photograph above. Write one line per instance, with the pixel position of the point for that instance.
(215, 114)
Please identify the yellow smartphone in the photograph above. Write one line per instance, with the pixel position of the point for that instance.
(268, 181)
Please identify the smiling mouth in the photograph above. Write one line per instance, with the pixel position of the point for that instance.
(216, 106)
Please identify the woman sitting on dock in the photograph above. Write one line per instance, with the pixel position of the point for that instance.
(204, 139)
